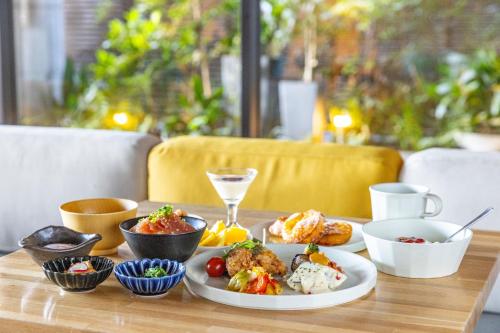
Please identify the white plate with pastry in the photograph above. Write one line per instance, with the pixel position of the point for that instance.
(311, 285)
(311, 227)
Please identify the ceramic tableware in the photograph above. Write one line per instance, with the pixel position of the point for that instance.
(399, 200)
(57, 241)
(178, 247)
(131, 275)
(102, 216)
(416, 260)
(355, 244)
(55, 271)
(361, 278)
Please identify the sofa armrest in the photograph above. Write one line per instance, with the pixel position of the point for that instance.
(468, 182)
(43, 167)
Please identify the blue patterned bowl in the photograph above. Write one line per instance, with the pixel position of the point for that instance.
(130, 274)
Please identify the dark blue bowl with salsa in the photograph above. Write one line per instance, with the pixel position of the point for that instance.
(179, 247)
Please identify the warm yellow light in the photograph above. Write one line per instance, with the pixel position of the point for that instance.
(342, 121)
(121, 118)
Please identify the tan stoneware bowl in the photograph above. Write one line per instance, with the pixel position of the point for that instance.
(99, 216)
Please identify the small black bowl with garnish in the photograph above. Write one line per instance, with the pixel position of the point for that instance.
(78, 274)
(178, 246)
(57, 241)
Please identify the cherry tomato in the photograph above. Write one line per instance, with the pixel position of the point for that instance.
(216, 266)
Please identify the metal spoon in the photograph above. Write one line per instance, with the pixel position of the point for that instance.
(480, 216)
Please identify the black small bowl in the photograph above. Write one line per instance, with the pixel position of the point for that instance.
(178, 247)
(55, 271)
(35, 243)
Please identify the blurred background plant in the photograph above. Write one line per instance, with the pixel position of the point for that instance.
(153, 68)
(414, 95)
(278, 19)
(468, 93)
(402, 81)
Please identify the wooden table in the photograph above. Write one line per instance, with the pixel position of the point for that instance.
(31, 303)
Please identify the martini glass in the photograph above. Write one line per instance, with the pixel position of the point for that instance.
(232, 184)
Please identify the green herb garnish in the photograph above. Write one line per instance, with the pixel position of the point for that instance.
(311, 248)
(160, 212)
(253, 245)
(155, 272)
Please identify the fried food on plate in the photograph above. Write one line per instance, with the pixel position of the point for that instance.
(306, 227)
(249, 254)
(311, 227)
(276, 228)
(336, 233)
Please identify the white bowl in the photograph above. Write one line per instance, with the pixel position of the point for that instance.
(429, 260)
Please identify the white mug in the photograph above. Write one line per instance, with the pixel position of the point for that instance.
(399, 200)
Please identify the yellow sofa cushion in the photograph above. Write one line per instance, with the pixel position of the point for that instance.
(293, 176)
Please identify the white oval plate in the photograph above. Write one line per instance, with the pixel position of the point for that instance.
(361, 278)
(355, 244)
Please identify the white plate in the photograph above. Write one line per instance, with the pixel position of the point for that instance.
(355, 244)
(361, 278)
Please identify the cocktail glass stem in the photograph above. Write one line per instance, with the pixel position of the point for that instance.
(232, 215)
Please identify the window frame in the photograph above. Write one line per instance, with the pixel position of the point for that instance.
(8, 98)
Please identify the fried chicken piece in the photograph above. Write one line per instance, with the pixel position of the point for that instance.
(245, 259)
(268, 260)
(239, 259)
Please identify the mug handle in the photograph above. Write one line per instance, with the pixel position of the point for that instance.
(438, 204)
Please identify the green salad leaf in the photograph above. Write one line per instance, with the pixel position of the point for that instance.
(155, 272)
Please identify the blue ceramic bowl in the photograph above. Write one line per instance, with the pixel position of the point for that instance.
(130, 274)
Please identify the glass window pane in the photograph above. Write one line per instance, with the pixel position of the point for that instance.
(143, 65)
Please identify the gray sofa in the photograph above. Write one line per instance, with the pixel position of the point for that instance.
(43, 167)
(468, 182)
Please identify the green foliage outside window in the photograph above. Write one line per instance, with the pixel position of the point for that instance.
(152, 72)
(153, 68)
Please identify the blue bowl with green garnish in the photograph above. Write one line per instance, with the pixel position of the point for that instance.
(150, 277)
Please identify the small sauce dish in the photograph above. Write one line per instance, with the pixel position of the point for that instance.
(57, 241)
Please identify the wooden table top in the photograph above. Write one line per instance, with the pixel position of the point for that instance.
(31, 303)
